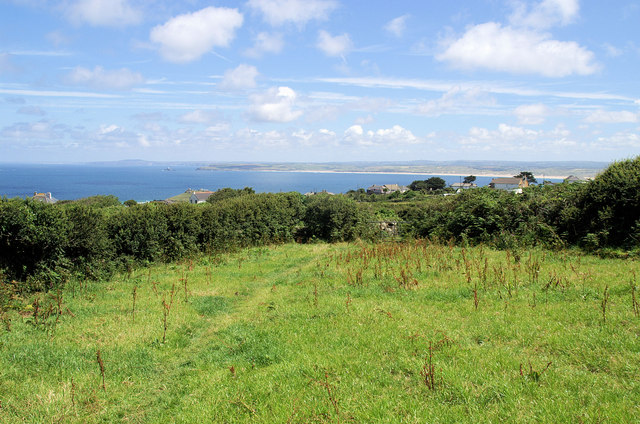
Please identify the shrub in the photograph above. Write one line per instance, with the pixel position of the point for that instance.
(611, 205)
(33, 236)
(335, 218)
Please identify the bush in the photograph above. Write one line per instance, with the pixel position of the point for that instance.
(335, 218)
(33, 236)
(251, 219)
(611, 205)
(138, 232)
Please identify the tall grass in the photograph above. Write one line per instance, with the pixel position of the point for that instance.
(390, 332)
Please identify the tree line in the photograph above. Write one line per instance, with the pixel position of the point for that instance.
(42, 245)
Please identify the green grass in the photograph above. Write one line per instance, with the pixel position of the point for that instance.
(181, 198)
(334, 333)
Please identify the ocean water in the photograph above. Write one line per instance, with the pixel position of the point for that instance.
(144, 183)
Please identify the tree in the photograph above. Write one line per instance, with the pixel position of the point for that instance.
(431, 184)
(229, 193)
(528, 175)
(469, 179)
(130, 203)
(610, 209)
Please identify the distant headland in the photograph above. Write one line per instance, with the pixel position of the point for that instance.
(550, 169)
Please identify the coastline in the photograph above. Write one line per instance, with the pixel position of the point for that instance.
(325, 171)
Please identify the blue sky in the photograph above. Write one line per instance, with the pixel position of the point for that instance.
(319, 80)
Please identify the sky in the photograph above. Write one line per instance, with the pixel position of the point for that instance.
(319, 80)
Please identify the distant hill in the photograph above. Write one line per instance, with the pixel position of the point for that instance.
(541, 169)
(489, 168)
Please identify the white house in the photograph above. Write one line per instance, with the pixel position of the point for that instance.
(386, 189)
(44, 197)
(463, 186)
(509, 183)
(200, 196)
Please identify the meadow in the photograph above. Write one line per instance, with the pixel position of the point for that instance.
(408, 332)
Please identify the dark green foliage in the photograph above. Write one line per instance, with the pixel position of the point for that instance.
(138, 232)
(32, 242)
(335, 218)
(182, 230)
(41, 245)
(251, 220)
(469, 179)
(527, 175)
(610, 209)
(87, 246)
(430, 184)
(99, 201)
(130, 202)
(229, 193)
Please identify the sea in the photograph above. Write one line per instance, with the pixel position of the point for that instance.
(156, 182)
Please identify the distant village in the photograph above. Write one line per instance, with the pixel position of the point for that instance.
(514, 184)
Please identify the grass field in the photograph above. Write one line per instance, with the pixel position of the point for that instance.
(409, 333)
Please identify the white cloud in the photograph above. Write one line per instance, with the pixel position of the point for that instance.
(520, 51)
(258, 139)
(119, 79)
(143, 140)
(298, 12)
(104, 12)
(533, 114)
(516, 140)
(242, 77)
(41, 131)
(545, 14)
(624, 140)
(497, 88)
(397, 26)
(187, 37)
(612, 51)
(340, 45)
(275, 105)
(199, 117)
(363, 120)
(456, 100)
(395, 135)
(612, 117)
(266, 43)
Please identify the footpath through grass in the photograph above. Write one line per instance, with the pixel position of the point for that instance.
(409, 333)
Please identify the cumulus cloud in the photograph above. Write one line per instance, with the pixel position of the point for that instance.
(119, 79)
(533, 114)
(275, 105)
(619, 140)
(242, 77)
(545, 14)
(338, 45)
(515, 50)
(612, 117)
(266, 42)
(509, 138)
(187, 37)
(397, 26)
(298, 12)
(103, 12)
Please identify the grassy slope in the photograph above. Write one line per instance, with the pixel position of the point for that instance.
(182, 197)
(324, 333)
